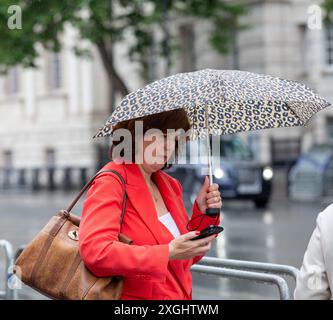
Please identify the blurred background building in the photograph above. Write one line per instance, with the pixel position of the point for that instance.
(49, 115)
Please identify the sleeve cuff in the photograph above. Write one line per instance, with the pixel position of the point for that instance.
(162, 259)
(196, 209)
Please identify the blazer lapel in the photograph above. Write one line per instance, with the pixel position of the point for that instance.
(141, 199)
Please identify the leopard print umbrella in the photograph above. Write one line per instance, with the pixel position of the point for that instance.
(233, 101)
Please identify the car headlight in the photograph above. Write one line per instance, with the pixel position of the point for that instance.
(218, 173)
(267, 173)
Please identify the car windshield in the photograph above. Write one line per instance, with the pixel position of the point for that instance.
(235, 149)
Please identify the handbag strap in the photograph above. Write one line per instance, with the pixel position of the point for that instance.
(86, 186)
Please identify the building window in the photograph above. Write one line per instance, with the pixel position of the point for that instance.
(329, 44)
(187, 46)
(8, 159)
(12, 81)
(284, 152)
(50, 157)
(304, 48)
(54, 71)
(329, 124)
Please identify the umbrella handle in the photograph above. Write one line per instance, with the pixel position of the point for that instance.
(212, 211)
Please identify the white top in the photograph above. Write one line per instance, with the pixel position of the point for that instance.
(169, 222)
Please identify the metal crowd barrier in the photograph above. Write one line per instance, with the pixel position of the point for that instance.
(279, 269)
(267, 273)
(249, 270)
(247, 275)
(8, 293)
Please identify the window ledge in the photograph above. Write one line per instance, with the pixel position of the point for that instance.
(53, 94)
(14, 98)
(328, 70)
(303, 75)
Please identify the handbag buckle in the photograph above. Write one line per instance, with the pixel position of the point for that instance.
(74, 235)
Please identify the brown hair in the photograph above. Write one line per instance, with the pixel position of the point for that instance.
(172, 119)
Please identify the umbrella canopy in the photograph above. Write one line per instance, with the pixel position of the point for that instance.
(222, 102)
(229, 101)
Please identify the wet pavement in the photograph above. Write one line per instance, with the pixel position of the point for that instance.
(277, 234)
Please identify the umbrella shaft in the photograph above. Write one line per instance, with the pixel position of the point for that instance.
(209, 161)
(209, 149)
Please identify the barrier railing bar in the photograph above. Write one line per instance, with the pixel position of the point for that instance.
(8, 294)
(246, 275)
(251, 265)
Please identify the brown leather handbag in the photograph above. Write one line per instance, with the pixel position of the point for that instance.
(51, 262)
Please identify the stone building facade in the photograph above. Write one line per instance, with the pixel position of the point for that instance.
(48, 115)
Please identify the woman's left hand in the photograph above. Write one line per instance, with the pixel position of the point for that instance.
(208, 196)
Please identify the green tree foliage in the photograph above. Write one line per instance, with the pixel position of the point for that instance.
(328, 7)
(105, 23)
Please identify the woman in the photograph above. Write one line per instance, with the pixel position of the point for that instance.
(315, 280)
(157, 265)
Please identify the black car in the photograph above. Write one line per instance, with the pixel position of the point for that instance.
(234, 168)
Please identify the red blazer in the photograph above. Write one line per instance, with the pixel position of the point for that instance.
(148, 273)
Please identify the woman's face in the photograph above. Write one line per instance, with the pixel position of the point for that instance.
(157, 148)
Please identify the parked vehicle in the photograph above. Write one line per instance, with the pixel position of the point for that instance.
(234, 168)
(312, 175)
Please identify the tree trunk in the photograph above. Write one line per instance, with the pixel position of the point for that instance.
(116, 83)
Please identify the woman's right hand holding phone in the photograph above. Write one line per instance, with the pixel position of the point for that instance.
(183, 247)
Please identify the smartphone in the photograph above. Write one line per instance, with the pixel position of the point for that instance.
(208, 231)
